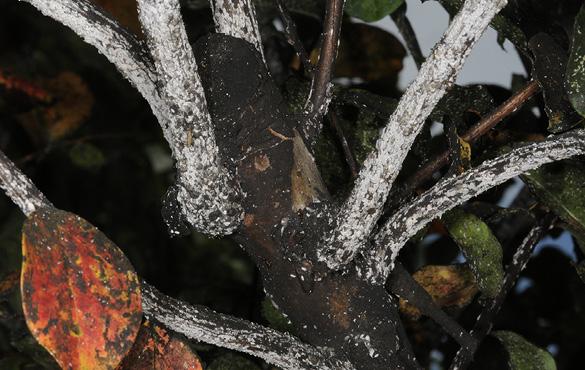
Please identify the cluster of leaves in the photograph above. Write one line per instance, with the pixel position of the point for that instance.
(90, 143)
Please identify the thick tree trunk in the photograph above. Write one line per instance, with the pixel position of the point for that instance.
(287, 210)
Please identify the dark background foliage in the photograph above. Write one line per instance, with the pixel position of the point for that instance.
(111, 165)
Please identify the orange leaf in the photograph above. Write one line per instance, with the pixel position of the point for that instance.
(12, 82)
(81, 296)
(157, 349)
(71, 104)
(452, 285)
(8, 282)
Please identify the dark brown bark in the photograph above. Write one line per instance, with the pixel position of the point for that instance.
(287, 210)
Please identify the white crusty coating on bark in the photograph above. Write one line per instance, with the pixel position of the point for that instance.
(363, 208)
(205, 193)
(202, 324)
(20, 188)
(237, 18)
(453, 191)
(204, 190)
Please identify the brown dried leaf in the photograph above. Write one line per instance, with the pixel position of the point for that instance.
(453, 285)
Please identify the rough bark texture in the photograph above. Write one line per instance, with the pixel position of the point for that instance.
(453, 191)
(207, 198)
(287, 210)
(202, 324)
(19, 188)
(237, 18)
(362, 210)
(244, 167)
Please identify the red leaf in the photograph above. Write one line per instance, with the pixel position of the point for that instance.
(81, 296)
(157, 349)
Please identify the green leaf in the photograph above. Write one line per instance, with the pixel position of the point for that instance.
(524, 355)
(87, 156)
(560, 186)
(575, 83)
(479, 247)
(371, 10)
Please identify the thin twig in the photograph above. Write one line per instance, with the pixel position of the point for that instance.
(478, 130)
(292, 36)
(319, 97)
(349, 157)
(485, 320)
(290, 31)
(407, 32)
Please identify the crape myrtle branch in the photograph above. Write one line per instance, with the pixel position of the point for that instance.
(424, 172)
(203, 324)
(130, 55)
(359, 214)
(292, 36)
(238, 19)
(455, 190)
(319, 97)
(485, 320)
(124, 49)
(290, 32)
(196, 322)
(203, 187)
(19, 188)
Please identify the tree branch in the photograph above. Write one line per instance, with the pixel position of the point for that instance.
(204, 189)
(405, 29)
(316, 105)
(202, 324)
(453, 191)
(196, 322)
(292, 36)
(363, 208)
(238, 19)
(200, 197)
(19, 188)
(475, 132)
